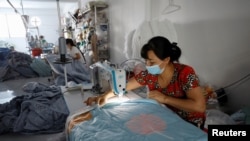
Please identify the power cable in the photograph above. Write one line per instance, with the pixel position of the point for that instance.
(221, 92)
(234, 83)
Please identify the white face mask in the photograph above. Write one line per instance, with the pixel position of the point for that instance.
(155, 69)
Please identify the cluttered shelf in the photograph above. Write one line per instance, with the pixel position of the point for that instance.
(89, 27)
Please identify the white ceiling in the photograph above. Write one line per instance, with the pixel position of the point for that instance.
(48, 4)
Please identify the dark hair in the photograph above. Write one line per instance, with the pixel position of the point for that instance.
(70, 41)
(162, 48)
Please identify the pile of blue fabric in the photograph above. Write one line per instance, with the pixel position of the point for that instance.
(76, 71)
(16, 65)
(42, 110)
(3, 54)
(41, 68)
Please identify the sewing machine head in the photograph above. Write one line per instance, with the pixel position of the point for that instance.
(117, 79)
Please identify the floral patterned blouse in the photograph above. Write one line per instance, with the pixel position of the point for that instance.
(184, 79)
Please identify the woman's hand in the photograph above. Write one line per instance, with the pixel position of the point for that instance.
(100, 100)
(91, 100)
(158, 96)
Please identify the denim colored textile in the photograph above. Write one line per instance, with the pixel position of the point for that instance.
(43, 111)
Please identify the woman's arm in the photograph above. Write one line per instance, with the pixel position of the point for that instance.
(101, 100)
(77, 56)
(195, 101)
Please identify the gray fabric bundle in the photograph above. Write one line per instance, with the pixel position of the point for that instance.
(44, 110)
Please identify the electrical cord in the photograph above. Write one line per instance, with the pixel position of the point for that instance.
(222, 95)
(230, 85)
(234, 83)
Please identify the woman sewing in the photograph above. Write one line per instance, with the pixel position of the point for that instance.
(74, 52)
(170, 83)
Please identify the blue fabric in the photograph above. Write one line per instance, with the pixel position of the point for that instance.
(76, 71)
(113, 123)
(3, 54)
(41, 68)
(16, 65)
(44, 110)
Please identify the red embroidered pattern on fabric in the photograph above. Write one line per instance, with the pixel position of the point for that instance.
(146, 124)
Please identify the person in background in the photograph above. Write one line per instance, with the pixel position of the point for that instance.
(170, 83)
(32, 42)
(43, 42)
(73, 51)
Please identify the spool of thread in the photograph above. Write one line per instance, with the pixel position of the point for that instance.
(62, 49)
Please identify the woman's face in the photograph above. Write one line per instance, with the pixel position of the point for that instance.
(68, 45)
(152, 59)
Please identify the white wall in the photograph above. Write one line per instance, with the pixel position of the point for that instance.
(48, 27)
(19, 42)
(48, 13)
(125, 16)
(49, 24)
(213, 35)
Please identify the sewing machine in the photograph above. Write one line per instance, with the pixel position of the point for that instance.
(118, 77)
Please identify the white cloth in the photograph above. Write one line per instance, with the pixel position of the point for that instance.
(128, 45)
(145, 31)
(73, 51)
